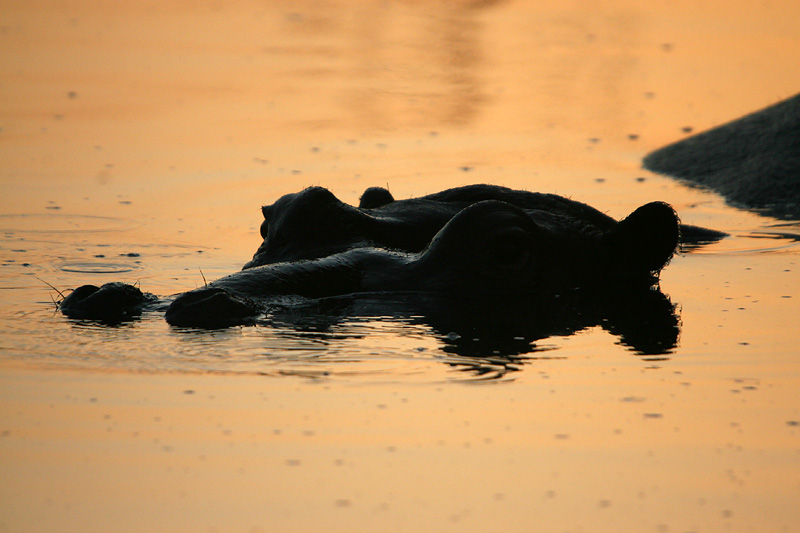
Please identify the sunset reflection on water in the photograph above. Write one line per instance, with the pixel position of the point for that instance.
(139, 143)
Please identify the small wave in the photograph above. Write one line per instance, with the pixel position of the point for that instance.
(62, 223)
(784, 237)
(97, 268)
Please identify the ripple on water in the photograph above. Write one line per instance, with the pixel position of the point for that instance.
(86, 267)
(782, 237)
(62, 223)
(373, 349)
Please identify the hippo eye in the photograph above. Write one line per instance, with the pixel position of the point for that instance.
(510, 252)
(264, 229)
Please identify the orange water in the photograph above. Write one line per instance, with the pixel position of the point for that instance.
(159, 130)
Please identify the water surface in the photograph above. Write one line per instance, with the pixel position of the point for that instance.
(138, 144)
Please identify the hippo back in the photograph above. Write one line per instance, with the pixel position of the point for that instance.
(314, 223)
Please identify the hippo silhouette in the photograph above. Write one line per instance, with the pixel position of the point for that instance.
(313, 223)
(489, 248)
(495, 335)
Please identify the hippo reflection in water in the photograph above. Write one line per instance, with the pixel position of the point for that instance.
(489, 251)
(492, 336)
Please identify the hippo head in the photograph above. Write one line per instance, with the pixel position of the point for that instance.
(495, 247)
(309, 224)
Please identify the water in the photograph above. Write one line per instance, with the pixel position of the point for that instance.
(391, 337)
(139, 153)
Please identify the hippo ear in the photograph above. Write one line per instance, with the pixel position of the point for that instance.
(644, 242)
(375, 197)
(266, 210)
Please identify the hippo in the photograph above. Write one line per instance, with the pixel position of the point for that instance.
(313, 223)
(489, 248)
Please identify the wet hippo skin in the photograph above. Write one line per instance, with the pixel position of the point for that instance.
(111, 303)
